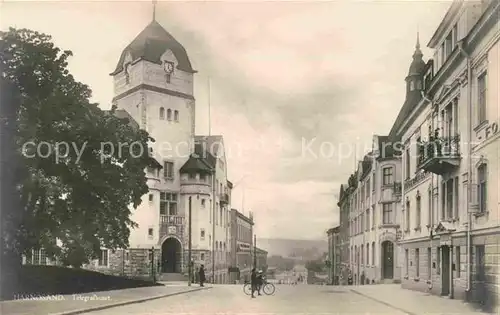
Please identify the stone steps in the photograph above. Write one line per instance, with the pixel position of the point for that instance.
(172, 277)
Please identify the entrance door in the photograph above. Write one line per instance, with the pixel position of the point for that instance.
(171, 256)
(387, 260)
(445, 270)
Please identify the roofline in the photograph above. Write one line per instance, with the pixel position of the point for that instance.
(244, 217)
(450, 14)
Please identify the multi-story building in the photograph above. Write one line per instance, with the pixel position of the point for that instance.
(375, 195)
(153, 83)
(333, 260)
(344, 232)
(451, 158)
(241, 246)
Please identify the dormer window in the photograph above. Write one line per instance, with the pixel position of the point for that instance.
(412, 85)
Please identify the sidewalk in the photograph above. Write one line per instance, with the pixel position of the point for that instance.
(86, 302)
(414, 302)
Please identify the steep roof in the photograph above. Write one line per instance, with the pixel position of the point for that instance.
(151, 44)
(196, 165)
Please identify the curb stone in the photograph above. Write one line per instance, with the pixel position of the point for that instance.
(382, 302)
(103, 307)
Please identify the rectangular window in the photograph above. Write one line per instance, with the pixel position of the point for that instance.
(168, 203)
(429, 210)
(482, 188)
(367, 220)
(418, 212)
(429, 263)
(457, 261)
(373, 217)
(449, 198)
(481, 94)
(455, 35)
(202, 234)
(203, 203)
(480, 270)
(168, 170)
(373, 254)
(443, 200)
(43, 257)
(407, 262)
(150, 232)
(103, 257)
(408, 164)
(417, 262)
(408, 226)
(387, 213)
(36, 257)
(449, 44)
(387, 176)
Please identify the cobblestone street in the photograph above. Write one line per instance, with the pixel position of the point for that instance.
(301, 299)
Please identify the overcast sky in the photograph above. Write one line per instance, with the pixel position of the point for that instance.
(283, 75)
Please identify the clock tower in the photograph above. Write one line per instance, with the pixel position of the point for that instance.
(153, 82)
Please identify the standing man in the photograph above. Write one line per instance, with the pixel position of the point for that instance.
(201, 274)
(253, 282)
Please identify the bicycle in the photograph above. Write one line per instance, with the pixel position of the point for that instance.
(267, 287)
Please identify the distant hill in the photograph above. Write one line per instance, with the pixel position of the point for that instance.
(305, 249)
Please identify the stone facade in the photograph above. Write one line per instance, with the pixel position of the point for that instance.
(451, 152)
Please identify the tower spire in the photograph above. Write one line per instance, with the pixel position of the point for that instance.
(418, 53)
(154, 9)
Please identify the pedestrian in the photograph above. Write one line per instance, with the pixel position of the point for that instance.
(253, 282)
(201, 275)
(260, 281)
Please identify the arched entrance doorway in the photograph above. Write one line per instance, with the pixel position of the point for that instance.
(387, 260)
(171, 254)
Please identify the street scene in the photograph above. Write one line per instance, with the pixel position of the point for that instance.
(226, 157)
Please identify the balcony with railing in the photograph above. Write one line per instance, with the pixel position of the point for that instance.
(171, 225)
(439, 155)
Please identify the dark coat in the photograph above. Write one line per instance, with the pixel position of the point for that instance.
(201, 274)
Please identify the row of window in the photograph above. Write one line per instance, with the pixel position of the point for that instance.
(358, 254)
(169, 114)
(456, 261)
(362, 222)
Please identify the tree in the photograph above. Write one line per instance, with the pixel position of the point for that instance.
(315, 265)
(75, 191)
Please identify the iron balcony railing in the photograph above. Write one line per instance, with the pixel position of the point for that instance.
(171, 219)
(439, 147)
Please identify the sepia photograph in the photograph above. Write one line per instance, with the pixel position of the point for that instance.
(250, 157)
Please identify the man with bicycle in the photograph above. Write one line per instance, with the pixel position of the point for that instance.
(260, 281)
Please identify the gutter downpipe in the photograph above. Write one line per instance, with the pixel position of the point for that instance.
(431, 212)
(469, 172)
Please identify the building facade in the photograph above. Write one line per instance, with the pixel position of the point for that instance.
(344, 232)
(334, 257)
(451, 157)
(374, 198)
(241, 246)
(153, 83)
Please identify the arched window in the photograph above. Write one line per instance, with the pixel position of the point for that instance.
(162, 113)
(169, 114)
(176, 115)
(373, 253)
(367, 253)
